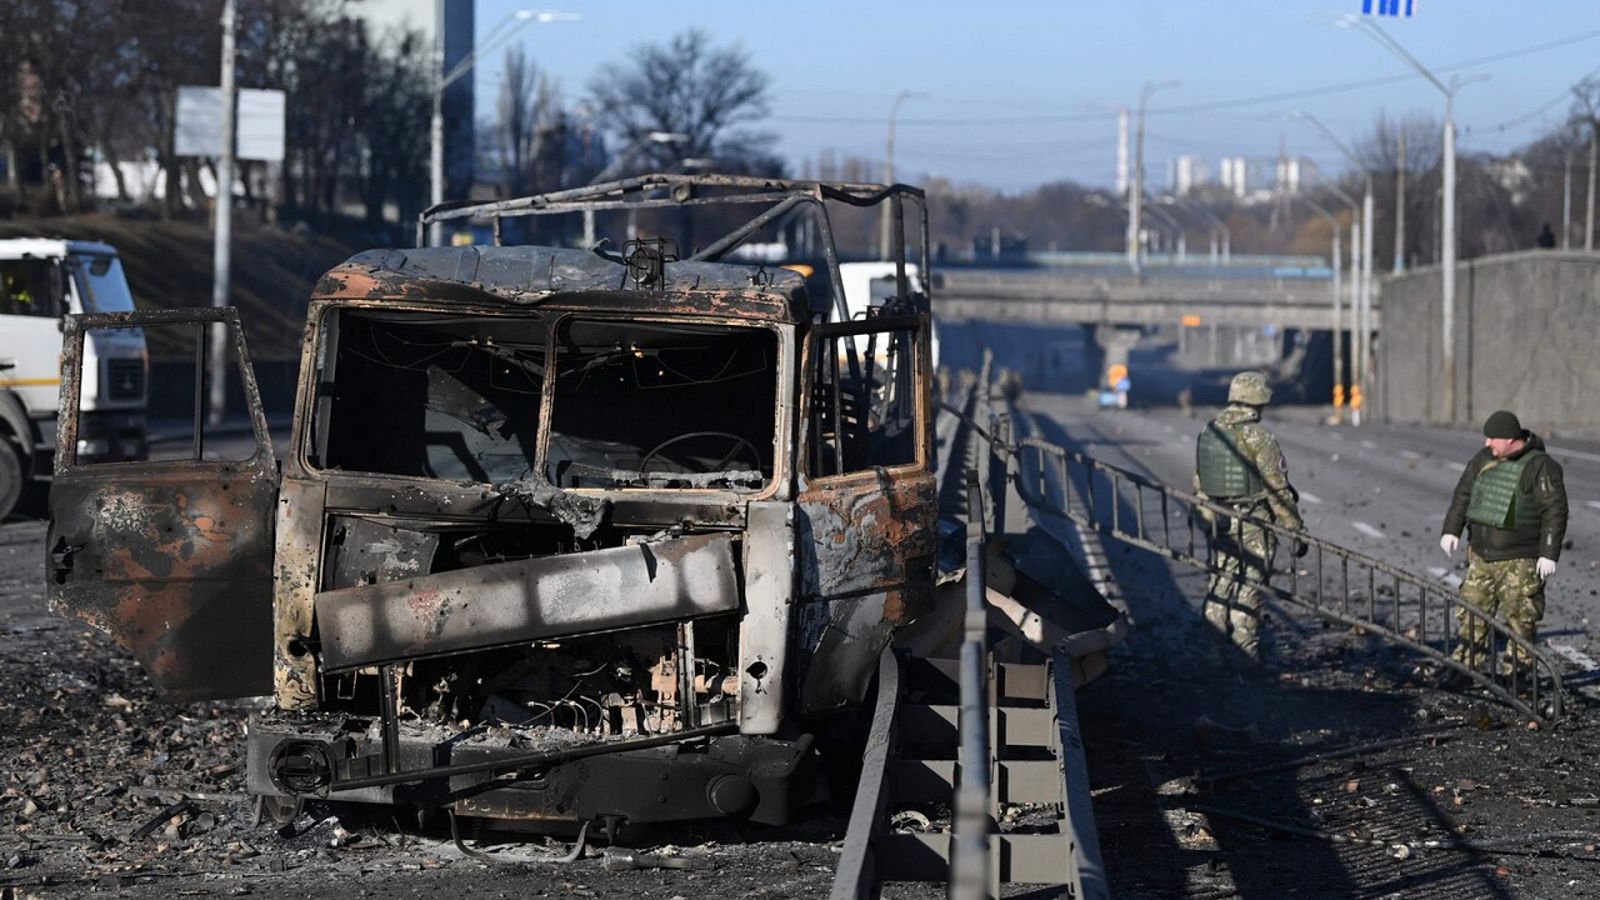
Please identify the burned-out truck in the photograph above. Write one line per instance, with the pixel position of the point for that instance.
(557, 535)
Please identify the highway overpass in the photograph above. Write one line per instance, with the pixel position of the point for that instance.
(1103, 296)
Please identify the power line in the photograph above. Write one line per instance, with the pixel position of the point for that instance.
(1565, 92)
(1208, 106)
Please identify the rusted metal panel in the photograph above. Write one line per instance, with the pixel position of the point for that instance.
(858, 531)
(764, 632)
(531, 599)
(554, 279)
(176, 565)
(173, 559)
(295, 576)
(866, 547)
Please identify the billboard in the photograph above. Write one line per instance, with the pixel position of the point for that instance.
(258, 124)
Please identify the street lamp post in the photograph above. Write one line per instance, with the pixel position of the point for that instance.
(1362, 279)
(1136, 190)
(1447, 262)
(886, 219)
(1338, 363)
(442, 80)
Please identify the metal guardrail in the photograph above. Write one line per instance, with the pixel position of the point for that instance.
(969, 858)
(1333, 582)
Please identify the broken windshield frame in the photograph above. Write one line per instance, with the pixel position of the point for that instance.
(416, 392)
(447, 394)
(684, 404)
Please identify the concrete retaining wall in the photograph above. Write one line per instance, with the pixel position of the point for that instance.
(1527, 338)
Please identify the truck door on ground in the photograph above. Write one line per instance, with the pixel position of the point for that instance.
(171, 555)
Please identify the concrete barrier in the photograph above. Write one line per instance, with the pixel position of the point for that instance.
(1525, 329)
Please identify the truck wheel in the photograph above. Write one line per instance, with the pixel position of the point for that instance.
(11, 482)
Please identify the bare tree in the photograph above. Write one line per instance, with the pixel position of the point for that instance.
(686, 87)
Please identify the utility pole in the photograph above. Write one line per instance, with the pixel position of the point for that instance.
(1447, 256)
(1122, 151)
(1588, 212)
(886, 219)
(1448, 262)
(436, 126)
(1136, 190)
(223, 232)
(1400, 203)
(1566, 204)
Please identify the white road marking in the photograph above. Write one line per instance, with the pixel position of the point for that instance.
(1575, 656)
(1595, 504)
(1368, 530)
(1445, 575)
(1368, 445)
(1410, 454)
(1591, 457)
(1459, 467)
(1309, 497)
(1582, 661)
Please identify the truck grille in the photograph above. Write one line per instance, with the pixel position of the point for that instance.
(125, 379)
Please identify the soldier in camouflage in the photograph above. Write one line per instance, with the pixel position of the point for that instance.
(1513, 503)
(1239, 465)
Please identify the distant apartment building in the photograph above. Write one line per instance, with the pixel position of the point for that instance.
(1255, 180)
(1233, 172)
(1187, 173)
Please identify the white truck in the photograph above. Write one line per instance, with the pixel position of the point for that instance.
(869, 284)
(41, 280)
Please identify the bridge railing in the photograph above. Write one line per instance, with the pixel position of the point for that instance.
(1333, 582)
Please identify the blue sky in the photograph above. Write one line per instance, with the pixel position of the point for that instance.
(1057, 72)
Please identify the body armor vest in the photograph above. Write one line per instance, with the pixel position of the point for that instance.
(1225, 472)
(1497, 498)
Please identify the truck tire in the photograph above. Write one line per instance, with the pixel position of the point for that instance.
(11, 481)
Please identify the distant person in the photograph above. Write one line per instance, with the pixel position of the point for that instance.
(1513, 503)
(1547, 238)
(1239, 465)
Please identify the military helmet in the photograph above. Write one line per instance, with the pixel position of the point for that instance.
(1251, 388)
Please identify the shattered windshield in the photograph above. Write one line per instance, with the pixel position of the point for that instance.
(429, 395)
(662, 405)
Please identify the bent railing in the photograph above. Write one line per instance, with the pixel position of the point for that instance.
(1331, 581)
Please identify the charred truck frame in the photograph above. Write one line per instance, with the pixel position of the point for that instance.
(560, 536)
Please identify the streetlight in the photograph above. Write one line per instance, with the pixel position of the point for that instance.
(1447, 265)
(1338, 315)
(1136, 191)
(1363, 304)
(886, 219)
(1338, 364)
(498, 36)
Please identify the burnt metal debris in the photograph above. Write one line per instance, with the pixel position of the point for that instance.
(559, 537)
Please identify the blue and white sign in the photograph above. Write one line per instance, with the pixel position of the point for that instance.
(1389, 7)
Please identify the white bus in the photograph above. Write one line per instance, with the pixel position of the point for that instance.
(41, 280)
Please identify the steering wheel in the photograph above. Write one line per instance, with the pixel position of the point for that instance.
(739, 444)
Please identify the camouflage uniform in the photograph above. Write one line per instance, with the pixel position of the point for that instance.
(1241, 551)
(1510, 588)
(1502, 576)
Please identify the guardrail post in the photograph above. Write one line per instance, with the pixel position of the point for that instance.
(969, 859)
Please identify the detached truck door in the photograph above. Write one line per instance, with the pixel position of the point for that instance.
(172, 555)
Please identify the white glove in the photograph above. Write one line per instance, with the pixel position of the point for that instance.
(1546, 566)
(1448, 543)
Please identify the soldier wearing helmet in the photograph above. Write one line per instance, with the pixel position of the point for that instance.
(1239, 466)
(1513, 504)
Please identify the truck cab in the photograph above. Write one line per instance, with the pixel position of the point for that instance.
(560, 536)
(42, 280)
